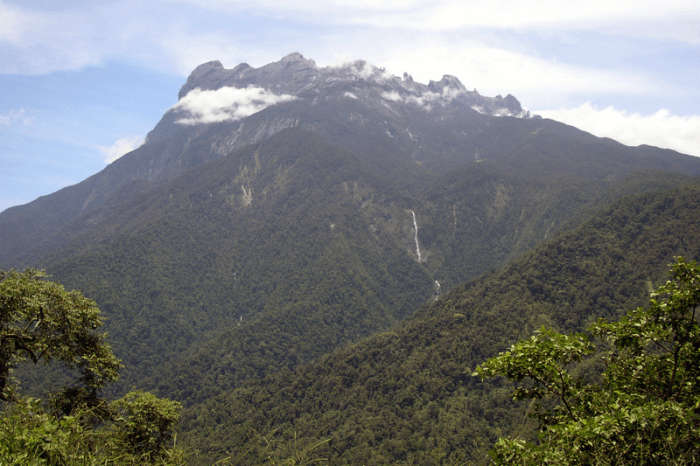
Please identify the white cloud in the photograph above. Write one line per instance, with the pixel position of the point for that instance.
(519, 14)
(497, 70)
(226, 104)
(534, 80)
(182, 51)
(12, 22)
(662, 129)
(14, 116)
(75, 35)
(425, 99)
(40, 41)
(35, 42)
(334, 10)
(392, 96)
(120, 147)
(415, 36)
(643, 18)
(365, 70)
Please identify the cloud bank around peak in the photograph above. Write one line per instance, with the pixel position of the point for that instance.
(225, 104)
(662, 128)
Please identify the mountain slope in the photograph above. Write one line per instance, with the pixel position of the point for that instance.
(407, 395)
(407, 130)
(295, 208)
(200, 258)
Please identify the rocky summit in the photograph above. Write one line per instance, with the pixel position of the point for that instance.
(300, 77)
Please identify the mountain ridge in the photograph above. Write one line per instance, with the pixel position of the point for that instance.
(309, 80)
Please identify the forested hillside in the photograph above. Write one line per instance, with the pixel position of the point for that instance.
(408, 395)
(198, 259)
(287, 249)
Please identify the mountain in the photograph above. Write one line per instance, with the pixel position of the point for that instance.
(407, 395)
(277, 213)
(177, 144)
(395, 123)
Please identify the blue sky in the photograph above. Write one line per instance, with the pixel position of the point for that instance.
(84, 81)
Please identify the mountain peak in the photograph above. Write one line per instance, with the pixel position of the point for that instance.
(512, 103)
(448, 81)
(296, 57)
(205, 69)
(299, 77)
(199, 74)
(208, 66)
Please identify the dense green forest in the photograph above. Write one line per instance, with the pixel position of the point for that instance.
(300, 265)
(194, 280)
(407, 395)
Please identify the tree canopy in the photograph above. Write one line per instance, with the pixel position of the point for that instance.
(40, 321)
(642, 408)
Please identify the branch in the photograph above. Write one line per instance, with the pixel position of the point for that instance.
(20, 343)
(563, 398)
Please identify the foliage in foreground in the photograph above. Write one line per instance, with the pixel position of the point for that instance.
(644, 410)
(41, 322)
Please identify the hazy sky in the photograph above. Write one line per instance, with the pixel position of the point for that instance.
(82, 82)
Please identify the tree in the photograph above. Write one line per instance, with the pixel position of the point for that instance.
(643, 409)
(42, 322)
(145, 423)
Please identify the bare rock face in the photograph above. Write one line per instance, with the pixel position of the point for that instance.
(208, 75)
(289, 74)
(296, 75)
